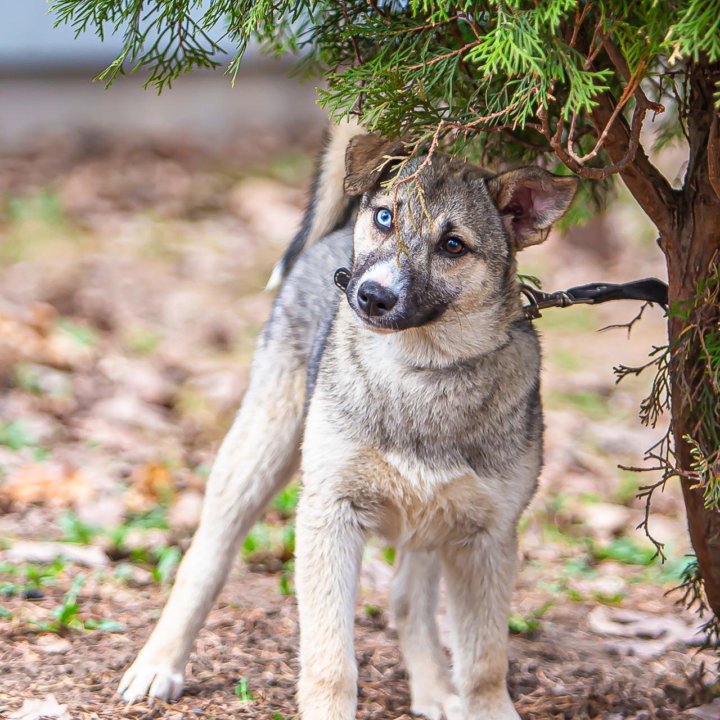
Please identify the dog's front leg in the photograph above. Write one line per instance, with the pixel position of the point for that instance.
(480, 573)
(256, 459)
(414, 600)
(329, 550)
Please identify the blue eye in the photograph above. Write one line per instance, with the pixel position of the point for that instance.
(383, 218)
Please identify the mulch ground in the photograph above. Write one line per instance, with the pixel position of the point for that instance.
(130, 298)
(562, 671)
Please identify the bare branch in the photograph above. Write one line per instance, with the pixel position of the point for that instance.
(643, 179)
(630, 324)
(440, 58)
(632, 88)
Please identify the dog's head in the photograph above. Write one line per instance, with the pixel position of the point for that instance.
(436, 242)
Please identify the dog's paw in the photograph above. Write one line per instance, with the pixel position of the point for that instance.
(150, 679)
(496, 709)
(447, 708)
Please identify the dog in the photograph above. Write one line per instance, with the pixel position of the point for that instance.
(416, 399)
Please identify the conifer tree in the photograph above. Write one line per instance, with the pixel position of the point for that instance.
(568, 84)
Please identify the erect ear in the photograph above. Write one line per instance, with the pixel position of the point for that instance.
(368, 159)
(530, 200)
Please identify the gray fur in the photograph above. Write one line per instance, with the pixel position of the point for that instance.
(419, 420)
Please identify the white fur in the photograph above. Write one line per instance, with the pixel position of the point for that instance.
(249, 470)
(419, 510)
(441, 514)
(276, 276)
(384, 273)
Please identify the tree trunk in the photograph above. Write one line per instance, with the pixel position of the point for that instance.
(690, 249)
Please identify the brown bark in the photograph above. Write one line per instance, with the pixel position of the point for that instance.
(689, 250)
(688, 222)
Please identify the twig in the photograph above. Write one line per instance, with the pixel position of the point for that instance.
(628, 325)
(579, 17)
(358, 58)
(440, 58)
(628, 92)
(377, 9)
(353, 39)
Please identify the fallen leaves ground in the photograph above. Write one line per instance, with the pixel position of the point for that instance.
(130, 298)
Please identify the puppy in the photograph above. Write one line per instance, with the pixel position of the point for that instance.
(416, 398)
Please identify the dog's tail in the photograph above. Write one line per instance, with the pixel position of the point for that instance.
(328, 207)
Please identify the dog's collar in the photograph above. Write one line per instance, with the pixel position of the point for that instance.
(649, 290)
(342, 278)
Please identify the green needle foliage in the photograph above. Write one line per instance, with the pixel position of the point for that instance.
(505, 81)
(567, 84)
(408, 65)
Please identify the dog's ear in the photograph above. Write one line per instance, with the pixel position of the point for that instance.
(368, 159)
(530, 200)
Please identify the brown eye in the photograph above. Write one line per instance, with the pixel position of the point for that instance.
(452, 246)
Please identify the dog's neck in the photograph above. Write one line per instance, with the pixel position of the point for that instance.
(454, 338)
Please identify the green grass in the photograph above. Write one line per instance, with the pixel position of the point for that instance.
(78, 531)
(43, 206)
(566, 360)
(41, 381)
(575, 319)
(372, 611)
(258, 539)
(285, 502)
(14, 435)
(264, 538)
(37, 229)
(75, 530)
(529, 623)
(162, 560)
(242, 690)
(625, 550)
(588, 402)
(29, 576)
(286, 585)
(79, 333)
(166, 561)
(628, 486)
(27, 378)
(66, 616)
(291, 168)
(142, 340)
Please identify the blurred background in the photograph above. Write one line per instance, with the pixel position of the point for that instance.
(136, 234)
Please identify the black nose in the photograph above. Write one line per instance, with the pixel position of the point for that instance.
(374, 299)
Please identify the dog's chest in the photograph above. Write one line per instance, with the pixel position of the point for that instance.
(437, 420)
(395, 407)
(423, 507)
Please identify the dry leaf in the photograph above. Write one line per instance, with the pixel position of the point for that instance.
(710, 711)
(149, 484)
(53, 644)
(642, 634)
(33, 709)
(48, 484)
(47, 552)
